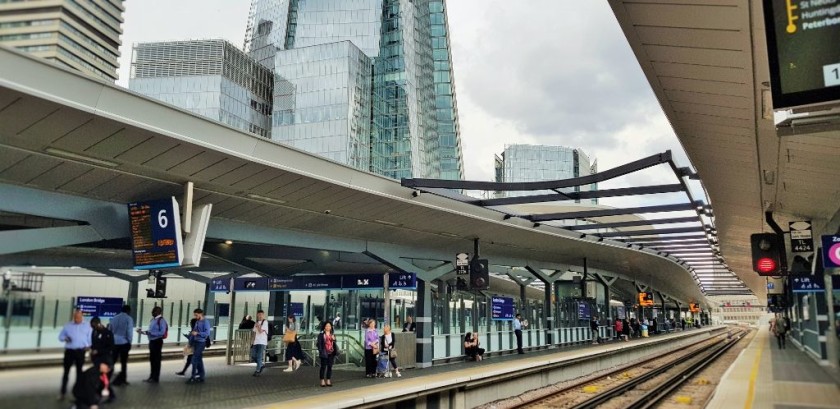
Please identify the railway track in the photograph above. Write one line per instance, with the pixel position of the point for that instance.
(654, 379)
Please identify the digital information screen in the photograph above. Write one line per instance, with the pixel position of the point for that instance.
(803, 51)
(501, 308)
(103, 307)
(155, 228)
(646, 299)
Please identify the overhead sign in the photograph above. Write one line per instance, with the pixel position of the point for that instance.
(404, 281)
(802, 51)
(104, 307)
(831, 251)
(220, 285)
(361, 282)
(250, 284)
(693, 307)
(801, 237)
(808, 284)
(462, 264)
(646, 299)
(501, 308)
(155, 228)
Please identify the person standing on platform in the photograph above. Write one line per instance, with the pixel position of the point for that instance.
(157, 332)
(260, 341)
(409, 325)
(619, 328)
(625, 329)
(121, 326)
(371, 348)
(336, 324)
(327, 351)
(247, 323)
(76, 336)
(188, 351)
(102, 347)
(389, 344)
(290, 338)
(593, 329)
(517, 330)
(780, 329)
(198, 340)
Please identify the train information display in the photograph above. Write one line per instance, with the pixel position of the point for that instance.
(646, 299)
(501, 308)
(155, 228)
(802, 38)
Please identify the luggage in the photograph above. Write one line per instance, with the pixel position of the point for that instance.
(383, 365)
(644, 331)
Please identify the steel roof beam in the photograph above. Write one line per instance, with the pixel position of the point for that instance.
(635, 223)
(644, 163)
(675, 238)
(651, 232)
(613, 212)
(594, 194)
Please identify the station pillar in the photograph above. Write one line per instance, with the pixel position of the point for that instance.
(210, 309)
(424, 324)
(132, 301)
(277, 301)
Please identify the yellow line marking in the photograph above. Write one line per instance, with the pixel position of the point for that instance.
(754, 375)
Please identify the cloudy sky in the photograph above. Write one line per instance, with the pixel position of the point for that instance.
(554, 72)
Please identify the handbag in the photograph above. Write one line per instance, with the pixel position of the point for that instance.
(375, 348)
(290, 337)
(392, 353)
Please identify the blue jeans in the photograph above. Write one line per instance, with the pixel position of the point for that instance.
(198, 359)
(258, 353)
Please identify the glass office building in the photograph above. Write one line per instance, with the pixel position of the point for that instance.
(212, 78)
(535, 163)
(322, 101)
(413, 119)
(83, 35)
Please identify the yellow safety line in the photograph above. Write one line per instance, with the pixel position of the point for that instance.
(753, 376)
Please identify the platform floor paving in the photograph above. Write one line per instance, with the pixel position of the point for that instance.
(766, 377)
(234, 387)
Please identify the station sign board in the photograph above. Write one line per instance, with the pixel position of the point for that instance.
(583, 310)
(220, 285)
(155, 228)
(811, 284)
(103, 307)
(501, 308)
(296, 309)
(405, 281)
(831, 251)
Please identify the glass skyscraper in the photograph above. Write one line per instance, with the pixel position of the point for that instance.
(413, 121)
(212, 78)
(83, 35)
(535, 163)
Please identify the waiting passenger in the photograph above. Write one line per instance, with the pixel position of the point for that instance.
(198, 340)
(409, 325)
(371, 348)
(619, 328)
(471, 347)
(593, 328)
(294, 354)
(93, 386)
(625, 330)
(327, 351)
(76, 336)
(188, 351)
(517, 330)
(247, 323)
(389, 344)
(682, 324)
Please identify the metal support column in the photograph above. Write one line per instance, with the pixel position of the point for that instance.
(210, 310)
(424, 324)
(131, 299)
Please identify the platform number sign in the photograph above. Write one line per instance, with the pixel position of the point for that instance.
(801, 237)
(155, 228)
(831, 251)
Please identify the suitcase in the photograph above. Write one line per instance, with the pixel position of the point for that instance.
(383, 365)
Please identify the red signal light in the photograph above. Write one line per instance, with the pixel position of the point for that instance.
(765, 265)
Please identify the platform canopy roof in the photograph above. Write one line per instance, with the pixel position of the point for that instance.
(87, 141)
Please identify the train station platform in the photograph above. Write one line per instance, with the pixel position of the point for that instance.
(234, 387)
(55, 357)
(765, 376)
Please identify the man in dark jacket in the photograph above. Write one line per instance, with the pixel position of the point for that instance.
(101, 341)
(94, 387)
